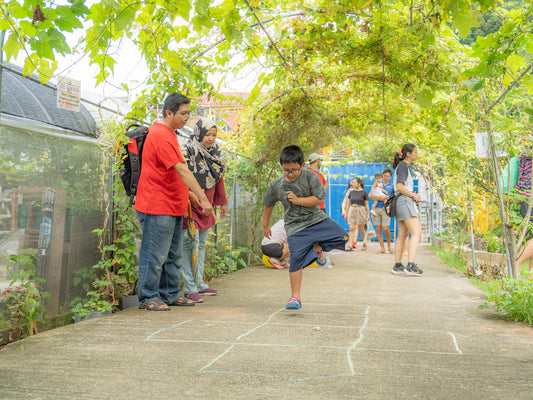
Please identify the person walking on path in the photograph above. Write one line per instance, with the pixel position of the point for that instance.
(315, 163)
(381, 219)
(205, 161)
(406, 212)
(345, 201)
(161, 203)
(300, 192)
(358, 213)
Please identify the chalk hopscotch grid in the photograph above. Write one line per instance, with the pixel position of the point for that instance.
(354, 346)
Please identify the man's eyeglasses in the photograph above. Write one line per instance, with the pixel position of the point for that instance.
(291, 171)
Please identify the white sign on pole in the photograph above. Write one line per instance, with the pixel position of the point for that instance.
(482, 146)
(68, 93)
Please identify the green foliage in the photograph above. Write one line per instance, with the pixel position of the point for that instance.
(356, 77)
(493, 243)
(514, 298)
(452, 257)
(40, 38)
(23, 301)
(115, 275)
(219, 256)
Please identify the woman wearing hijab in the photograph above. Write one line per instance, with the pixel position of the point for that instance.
(205, 161)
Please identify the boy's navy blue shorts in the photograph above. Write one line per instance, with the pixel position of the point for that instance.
(327, 233)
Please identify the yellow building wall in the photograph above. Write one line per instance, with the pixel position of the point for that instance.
(486, 215)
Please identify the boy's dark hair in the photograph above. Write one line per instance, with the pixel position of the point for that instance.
(173, 103)
(291, 154)
(378, 175)
(387, 171)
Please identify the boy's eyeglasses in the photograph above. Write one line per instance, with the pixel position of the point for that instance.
(291, 171)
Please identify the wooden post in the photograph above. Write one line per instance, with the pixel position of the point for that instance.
(55, 257)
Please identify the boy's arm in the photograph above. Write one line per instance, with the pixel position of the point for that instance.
(309, 201)
(267, 213)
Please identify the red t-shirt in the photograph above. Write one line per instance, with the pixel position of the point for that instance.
(323, 180)
(161, 190)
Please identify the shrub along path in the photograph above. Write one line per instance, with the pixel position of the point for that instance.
(362, 333)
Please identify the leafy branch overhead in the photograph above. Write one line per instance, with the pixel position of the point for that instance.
(352, 75)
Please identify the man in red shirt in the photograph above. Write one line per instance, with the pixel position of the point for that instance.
(161, 203)
(315, 162)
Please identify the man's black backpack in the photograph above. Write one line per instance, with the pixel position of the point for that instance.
(390, 205)
(132, 160)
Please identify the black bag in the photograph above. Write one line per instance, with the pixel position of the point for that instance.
(390, 205)
(132, 160)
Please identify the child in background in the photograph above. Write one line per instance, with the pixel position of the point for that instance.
(377, 190)
(276, 247)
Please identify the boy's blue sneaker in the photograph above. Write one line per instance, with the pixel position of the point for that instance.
(294, 304)
(326, 263)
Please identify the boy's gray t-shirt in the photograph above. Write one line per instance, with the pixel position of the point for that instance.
(297, 217)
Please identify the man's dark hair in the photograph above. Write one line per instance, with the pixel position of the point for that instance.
(173, 103)
(291, 154)
(387, 171)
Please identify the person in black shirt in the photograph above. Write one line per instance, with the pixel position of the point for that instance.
(358, 213)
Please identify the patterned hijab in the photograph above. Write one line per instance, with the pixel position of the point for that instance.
(206, 163)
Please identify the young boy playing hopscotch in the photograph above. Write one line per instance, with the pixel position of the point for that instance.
(310, 231)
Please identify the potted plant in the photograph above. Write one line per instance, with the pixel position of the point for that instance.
(93, 307)
(111, 282)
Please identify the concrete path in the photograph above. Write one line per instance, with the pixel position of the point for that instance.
(362, 333)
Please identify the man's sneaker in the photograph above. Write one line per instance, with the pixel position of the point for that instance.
(413, 270)
(208, 292)
(398, 269)
(275, 262)
(195, 297)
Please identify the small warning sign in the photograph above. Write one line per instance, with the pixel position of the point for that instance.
(68, 93)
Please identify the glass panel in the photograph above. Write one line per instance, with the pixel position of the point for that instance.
(51, 198)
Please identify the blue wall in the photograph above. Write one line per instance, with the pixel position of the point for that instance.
(338, 179)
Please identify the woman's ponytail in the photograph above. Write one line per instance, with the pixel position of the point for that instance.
(400, 155)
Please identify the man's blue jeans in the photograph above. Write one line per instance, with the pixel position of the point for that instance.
(191, 283)
(159, 257)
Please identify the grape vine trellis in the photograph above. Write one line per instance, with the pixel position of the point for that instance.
(325, 66)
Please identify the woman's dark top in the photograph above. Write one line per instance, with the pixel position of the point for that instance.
(358, 197)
